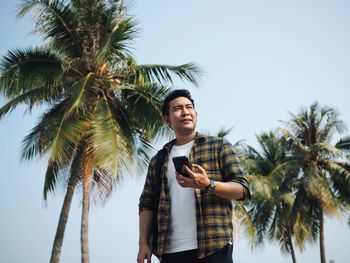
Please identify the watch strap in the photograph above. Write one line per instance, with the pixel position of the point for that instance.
(211, 187)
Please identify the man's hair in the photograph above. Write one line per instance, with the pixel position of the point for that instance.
(173, 95)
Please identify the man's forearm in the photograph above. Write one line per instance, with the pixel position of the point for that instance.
(229, 190)
(145, 225)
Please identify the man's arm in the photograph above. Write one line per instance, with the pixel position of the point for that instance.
(145, 225)
(200, 180)
(146, 206)
(231, 169)
(229, 190)
(233, 184)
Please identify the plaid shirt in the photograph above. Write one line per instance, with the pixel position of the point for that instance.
(213, 214)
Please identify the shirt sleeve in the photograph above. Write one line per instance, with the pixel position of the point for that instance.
(231, 168)
(147, 198)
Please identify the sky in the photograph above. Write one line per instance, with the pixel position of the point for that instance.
(262, 60)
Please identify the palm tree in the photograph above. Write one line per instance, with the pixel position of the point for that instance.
(268, 214)
(324, 181)
(102, 107)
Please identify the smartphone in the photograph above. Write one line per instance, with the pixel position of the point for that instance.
(179, 162)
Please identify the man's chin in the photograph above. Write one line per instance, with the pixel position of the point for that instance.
(188, 129)
(188, 125)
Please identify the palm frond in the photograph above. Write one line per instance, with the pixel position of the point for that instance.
(344, 144)
(33, 144)
(272, 232)
(61, 127)
(147, 99)
(261, 186)
(26, 69)
(82, 95)
(51, 177)
(305, 213)
(144, 152)
(103, 184)
(327, 149)
(311, 180)
(289, 136)
(222, 132)
(163, 73)
(57, 173)
(113, 14)
(31, 98)
(117, 46)
(54, 133)
(298, 126)
(124, 117)
(330, 202)
(262, 215)
(301, 232)
(337, 167)
(283, 167)
(252, 153)
(112, 145)
(243, 216)
(57, 22)
(339, 173)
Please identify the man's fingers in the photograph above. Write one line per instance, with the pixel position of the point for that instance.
(189, 172)
(183, 181)
(198, 168)
(180, 178)
(196, 178)
(142, 259)
(144, 255)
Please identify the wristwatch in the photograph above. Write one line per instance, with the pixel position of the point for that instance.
(211, 187)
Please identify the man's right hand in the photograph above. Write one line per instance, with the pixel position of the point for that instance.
(144, 253)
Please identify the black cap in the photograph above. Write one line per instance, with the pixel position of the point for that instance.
(173, 95)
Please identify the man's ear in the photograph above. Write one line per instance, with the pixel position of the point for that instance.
(166, 120)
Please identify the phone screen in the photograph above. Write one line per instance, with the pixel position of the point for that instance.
(179, 162)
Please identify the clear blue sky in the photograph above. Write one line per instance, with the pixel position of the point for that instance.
(262, 59)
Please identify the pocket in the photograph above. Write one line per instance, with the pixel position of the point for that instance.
(224, 250)
(229, 249)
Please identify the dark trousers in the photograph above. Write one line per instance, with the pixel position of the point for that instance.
(190, 256)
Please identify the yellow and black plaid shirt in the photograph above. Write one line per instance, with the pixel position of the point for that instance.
(214, 214)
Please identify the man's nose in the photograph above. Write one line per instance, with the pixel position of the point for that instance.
(185, 111)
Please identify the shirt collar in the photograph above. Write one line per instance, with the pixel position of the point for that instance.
(199, 137)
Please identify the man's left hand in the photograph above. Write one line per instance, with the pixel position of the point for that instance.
(198, 177)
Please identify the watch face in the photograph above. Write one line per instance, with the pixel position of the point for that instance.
(211, 187)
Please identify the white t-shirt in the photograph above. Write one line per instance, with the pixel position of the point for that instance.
(183, 234)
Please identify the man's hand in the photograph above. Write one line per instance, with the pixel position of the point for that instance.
(198, 177)
(144, 253)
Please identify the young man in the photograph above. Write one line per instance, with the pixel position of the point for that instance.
(194, 214)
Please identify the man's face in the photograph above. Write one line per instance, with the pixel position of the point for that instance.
(182, 116)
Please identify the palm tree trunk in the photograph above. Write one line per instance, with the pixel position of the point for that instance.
(292, 252)
(85, 212)
(58, 241)
(322, 248)
(290, 242)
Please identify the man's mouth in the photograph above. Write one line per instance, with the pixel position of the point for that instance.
(186, 120)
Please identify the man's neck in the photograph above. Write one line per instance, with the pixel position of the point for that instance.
(185, 138)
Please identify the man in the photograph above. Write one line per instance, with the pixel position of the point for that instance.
(194, 214)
